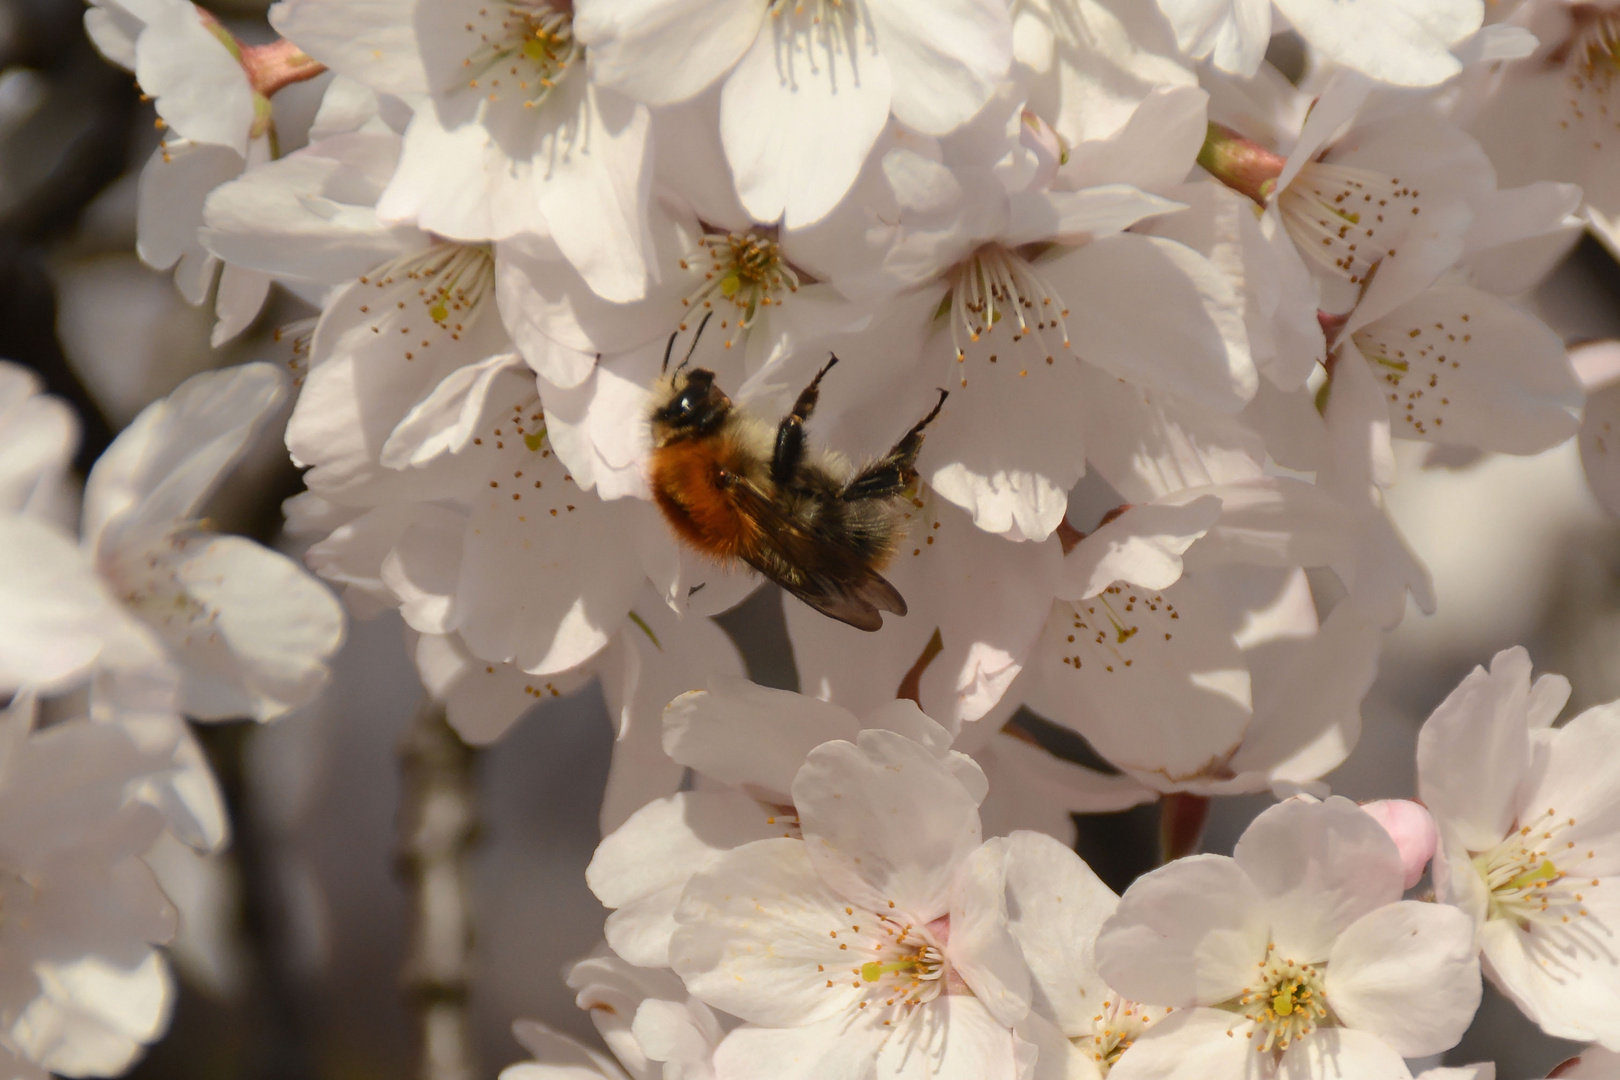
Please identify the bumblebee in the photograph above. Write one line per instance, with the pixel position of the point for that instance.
(804, 518)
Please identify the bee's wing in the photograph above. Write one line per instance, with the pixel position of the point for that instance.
(818, 569)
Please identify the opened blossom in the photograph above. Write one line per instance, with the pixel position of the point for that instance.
(1294, 957)
(1525, 812)
(807, 87)
(746, 744)
(1023, 300)
(509, 135)
(82, 987)
(876, 937)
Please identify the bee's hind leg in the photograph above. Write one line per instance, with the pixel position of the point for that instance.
(897, 470)
(790, 432)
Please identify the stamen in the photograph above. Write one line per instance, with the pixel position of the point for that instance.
(1286, 1004)
(746, 270)
(453, 280)
(1343, 217)
(823, 9)
(905, 967)
(1120, 1023)
(1593, 66)
(1527, 885)
(995, 284)
(531, 46)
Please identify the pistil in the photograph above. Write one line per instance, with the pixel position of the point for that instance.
(743, 270)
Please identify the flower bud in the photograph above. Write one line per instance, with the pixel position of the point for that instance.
(1412, 829)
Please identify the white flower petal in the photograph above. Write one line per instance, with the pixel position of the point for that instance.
(57, 614)
(1403, 42)
(758, 937)
(665, 51)
(1217, 1040)
(885, 822)
(1342, 1054)
(311, 215)
(1474, 750)
(982, 947)
(251, 631)
(1320, 866)
(1234, 33)
(1142, 546)
(946, 58)
(593, 191)
(1055, 907)
(829, 1050)
(1186, 934)
(1159, 315)
(372, 41)
(1569, 774)
(443, 422)
(1460, 366)
(741, 733)
(968, 1043)
(1568, 983)
(161, 468)
(800, 113)
(1409, 974)
(202, 91)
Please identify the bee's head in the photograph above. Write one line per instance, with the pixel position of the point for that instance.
(694, 406)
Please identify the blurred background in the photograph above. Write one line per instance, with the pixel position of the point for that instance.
(289, 961)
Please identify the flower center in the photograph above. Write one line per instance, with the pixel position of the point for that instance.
(995, 284)
(451, 281)
(1342, 217)
(1592, 64)
(745, 270)
(527, 43)
(1120, 1024)
(1101, 628)
(1526, 884)
(897, 966)
(1286, 1004)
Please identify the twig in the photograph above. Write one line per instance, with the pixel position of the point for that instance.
(1182, 817)
(438, 824)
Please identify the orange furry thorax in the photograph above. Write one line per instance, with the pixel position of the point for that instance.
(686, 479)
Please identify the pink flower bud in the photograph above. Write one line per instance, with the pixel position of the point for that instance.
(1412, 829)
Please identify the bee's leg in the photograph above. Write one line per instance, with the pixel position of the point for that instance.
(897, 470)
(790, 432)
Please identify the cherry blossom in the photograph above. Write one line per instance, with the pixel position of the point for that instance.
(1176, 309)
(1295, 957)
(871, 939)
(83, 989)
(509, 136)
(807, 88)
(161, 615)
(1524, 812)
(746, 744)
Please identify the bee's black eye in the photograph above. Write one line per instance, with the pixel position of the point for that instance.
(688, 402)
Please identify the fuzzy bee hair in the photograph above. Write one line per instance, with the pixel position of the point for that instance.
(805, 518)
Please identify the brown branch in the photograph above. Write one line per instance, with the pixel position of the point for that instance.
(438, 824)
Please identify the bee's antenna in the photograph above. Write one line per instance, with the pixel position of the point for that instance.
(692, 348)
(669, 348)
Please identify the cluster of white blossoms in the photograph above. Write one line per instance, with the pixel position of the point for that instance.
(823, 902)
(1174, 307)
